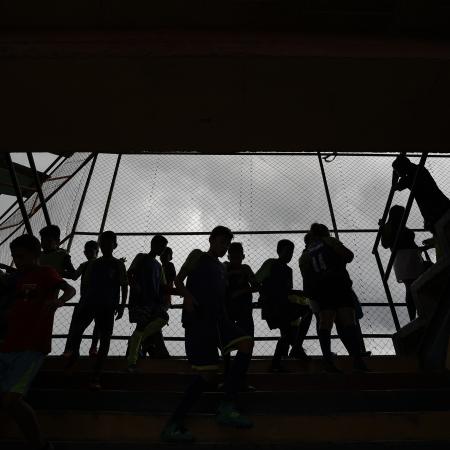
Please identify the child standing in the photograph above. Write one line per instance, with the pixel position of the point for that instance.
(148, 297)
(277, 308)
(28, 332)
(105, 283)
(91, 254)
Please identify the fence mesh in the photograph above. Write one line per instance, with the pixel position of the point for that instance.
(262, 198)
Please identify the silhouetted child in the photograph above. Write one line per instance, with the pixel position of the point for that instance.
(277, 309)
(91, 253)
(432, 203)
(327, 282)
(408, 263)
(154, 345)
(52, 255)
(28, 333)
(104, 284)
(207, 329)
(148, 298)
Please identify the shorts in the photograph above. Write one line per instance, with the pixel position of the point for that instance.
(334, 300)
(18, 369)
(143, 315)
(204, 338)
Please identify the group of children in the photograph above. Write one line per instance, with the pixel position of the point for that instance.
(217, 312)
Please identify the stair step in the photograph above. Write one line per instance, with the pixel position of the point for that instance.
(257, 403)
(398, 364)
(268, 430)
(296, 381)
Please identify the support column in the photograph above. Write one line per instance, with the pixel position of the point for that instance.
(37, 182)
(111, 189)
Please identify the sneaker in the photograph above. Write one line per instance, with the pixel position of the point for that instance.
(174, 432)
(228, 415)
(132, 368)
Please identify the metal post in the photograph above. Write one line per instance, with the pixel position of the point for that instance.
(405, 216)
(385, 212)
(23, 210)
(37, 182)
(327, 192)
(80, 206)
(111, 189)
(387, 291)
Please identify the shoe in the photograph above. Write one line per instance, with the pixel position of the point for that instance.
(94, 384)
(229, 416)
(330, 367)
(93, 351)
(174, 432)
(132, 368)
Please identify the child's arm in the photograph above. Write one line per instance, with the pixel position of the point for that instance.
(132, 280)
(8, 269)
(124, 290)
(346, 254)
(68, 293)
(189, 302)
(68, 269)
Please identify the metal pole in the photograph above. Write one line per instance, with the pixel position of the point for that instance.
(111, 189)
(23, 210)
(387, 291)
(405, 215)
(37, 182)
(327, 192)
(80, 206)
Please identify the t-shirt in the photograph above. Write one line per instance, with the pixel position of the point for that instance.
(103, 280)
(60, 260)
(149, 276)
(276, 279)
(29, 318)
(81, 271)
(170, 273)
(238, 279)
(206, 281)
(324, 269)
(432, 202)
(406, 238)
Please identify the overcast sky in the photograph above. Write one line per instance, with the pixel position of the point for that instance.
(179, 193)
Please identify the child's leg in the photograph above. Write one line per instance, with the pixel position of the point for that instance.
(95, 339)
(105, 322)
(282, 347)
(73, 323)
(348, 331)
(25, 418)
(326, 320)
(82, 320)
(237, 373)
(140, 333)
(303, 327)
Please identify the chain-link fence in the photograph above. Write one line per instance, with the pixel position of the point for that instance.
(261, 197)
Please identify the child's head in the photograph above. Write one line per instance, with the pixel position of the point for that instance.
(402, 165)
(50, 237)
(307, 239)
(107, 242)
(396, 213)
(91, 250)
(219, 240)
(319, 230)
(158, 244)
(166, 255)
(25, 251)
(236, 253)
(285, 250)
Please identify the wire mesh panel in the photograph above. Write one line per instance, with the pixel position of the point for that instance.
(262, 198)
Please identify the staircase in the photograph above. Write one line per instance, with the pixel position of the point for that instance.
(389, 407)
